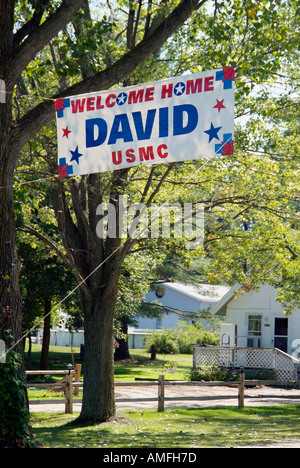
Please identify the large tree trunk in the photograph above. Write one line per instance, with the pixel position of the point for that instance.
(98, 403)
(10, 297)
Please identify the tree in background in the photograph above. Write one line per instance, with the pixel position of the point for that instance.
(44, 281)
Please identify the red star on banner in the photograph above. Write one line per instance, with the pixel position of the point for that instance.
(219, 105)
(66, 132)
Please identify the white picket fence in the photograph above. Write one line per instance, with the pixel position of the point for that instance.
(284, 365)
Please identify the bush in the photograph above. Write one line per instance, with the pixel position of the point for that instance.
(14, 414)
(163, 342)
(212, 374)
(222, 374)
(180, 340)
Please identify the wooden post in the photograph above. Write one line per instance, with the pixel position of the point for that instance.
(161, 393)
(77, 377)
(241, 396)
(69, 394)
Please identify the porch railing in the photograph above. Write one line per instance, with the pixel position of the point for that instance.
(284, 365)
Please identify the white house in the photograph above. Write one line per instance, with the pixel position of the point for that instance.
(256, 319)
(180, 299)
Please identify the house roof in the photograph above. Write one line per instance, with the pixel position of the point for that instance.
(202, 292)
(220, 307)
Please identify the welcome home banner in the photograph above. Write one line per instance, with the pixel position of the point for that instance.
(178, 119)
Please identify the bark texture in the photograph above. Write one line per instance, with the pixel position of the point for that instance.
(10, 297)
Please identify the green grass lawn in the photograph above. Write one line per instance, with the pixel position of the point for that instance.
(147, 369)
(175, 428)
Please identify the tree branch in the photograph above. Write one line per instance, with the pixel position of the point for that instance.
(31, 25)
(41, 115)
(40, 36)
(157, 189)
(48, 242)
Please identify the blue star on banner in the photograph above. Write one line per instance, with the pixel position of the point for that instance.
(75, 155)
(121, 99)
(179, 89)
(213, 132)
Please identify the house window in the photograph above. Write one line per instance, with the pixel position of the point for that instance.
(254, 331)
(281, 334)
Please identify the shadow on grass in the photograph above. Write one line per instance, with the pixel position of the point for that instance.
(176, 428)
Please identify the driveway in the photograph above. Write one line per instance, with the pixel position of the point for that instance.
(141, 397)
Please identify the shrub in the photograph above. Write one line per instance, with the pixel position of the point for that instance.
(180, 340)
(163, 341)
(14, 414)
(215, 373)
(212, 374)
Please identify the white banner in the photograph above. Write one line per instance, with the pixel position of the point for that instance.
(179, 119)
